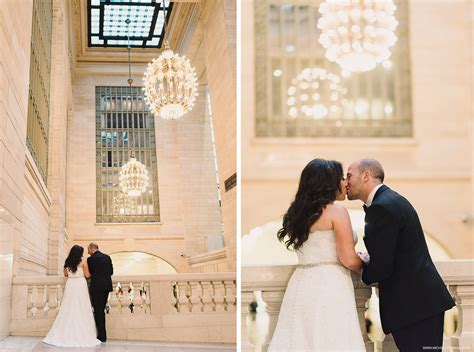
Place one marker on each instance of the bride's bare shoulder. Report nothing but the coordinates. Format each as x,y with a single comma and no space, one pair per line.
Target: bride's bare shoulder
336,211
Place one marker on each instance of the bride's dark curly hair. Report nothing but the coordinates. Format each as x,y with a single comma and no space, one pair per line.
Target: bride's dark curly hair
74,258
319,184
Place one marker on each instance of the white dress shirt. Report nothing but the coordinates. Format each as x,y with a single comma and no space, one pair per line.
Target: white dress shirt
371,196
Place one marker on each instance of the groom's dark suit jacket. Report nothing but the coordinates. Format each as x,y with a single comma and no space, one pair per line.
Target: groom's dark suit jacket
101,269
410,288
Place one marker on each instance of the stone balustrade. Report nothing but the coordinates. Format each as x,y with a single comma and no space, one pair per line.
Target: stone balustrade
272,281
188,307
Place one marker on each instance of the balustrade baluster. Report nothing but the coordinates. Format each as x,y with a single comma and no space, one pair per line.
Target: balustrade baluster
146,299
137,299
207,294
53,299
362,295
183,297
46,296
219,296
196,294
40,301
60,294
464,298
230,296
31,300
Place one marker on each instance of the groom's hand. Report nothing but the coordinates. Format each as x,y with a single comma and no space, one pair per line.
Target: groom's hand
365,257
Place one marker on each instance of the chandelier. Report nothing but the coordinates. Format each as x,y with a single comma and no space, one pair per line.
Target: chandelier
357,34
133,178
315,93
122,204
170,85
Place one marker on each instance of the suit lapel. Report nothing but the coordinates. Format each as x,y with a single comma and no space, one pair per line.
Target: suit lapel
377,194
382,189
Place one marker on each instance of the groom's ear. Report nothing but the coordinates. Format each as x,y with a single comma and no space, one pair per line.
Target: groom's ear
365,176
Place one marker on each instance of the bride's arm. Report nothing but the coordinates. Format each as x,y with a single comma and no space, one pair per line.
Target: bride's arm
344,239
85,269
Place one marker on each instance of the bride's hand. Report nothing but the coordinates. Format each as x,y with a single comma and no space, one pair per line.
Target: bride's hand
365,257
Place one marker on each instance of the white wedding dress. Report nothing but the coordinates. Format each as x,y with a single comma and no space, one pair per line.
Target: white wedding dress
318,312
74,325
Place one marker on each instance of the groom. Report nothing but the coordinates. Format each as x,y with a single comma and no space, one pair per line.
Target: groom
101,269
413,297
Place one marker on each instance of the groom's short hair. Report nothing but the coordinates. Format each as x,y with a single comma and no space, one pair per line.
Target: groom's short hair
373,167
93,245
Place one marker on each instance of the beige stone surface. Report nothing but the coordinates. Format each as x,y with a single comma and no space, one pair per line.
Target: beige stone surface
14,74
220,46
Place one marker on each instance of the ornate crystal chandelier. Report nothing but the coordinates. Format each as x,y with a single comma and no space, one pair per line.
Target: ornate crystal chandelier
170,84
357,34
133,177
315,93
122,204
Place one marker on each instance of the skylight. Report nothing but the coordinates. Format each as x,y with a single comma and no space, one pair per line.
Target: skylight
107,26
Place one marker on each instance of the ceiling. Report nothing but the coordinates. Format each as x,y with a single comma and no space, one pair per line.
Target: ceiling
147,17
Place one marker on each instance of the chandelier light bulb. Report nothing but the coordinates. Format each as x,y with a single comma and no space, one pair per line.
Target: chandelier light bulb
170,85
133,178
315,93
122,204
357,34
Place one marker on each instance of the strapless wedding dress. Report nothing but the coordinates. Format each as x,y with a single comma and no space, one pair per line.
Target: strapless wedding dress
74,325
318,312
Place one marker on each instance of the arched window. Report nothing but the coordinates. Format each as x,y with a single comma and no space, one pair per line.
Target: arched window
124,127
138,263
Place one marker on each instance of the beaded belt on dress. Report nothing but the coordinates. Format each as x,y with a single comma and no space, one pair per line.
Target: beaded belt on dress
311,265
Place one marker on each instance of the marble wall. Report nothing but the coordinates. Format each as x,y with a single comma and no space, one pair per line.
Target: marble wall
14,74
219,18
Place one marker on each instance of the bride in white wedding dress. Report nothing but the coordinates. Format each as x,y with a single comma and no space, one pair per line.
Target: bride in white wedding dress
318,311
74,325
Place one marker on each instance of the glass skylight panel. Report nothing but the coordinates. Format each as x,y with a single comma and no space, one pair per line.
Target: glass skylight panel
107,26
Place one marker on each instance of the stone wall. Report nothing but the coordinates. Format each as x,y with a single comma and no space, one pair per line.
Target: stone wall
219,19
14,74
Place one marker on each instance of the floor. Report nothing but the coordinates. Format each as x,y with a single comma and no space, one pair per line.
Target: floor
34,344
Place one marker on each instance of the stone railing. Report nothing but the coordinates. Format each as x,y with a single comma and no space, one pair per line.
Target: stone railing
194,307
269,283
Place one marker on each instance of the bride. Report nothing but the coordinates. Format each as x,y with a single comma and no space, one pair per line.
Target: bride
74,325
318,311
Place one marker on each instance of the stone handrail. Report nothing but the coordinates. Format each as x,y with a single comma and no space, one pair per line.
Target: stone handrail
188,307
270,282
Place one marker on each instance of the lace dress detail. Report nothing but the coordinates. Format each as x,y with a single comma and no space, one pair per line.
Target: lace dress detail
318,312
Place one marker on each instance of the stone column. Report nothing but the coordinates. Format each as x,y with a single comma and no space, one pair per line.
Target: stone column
201,213
60,111
219,30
